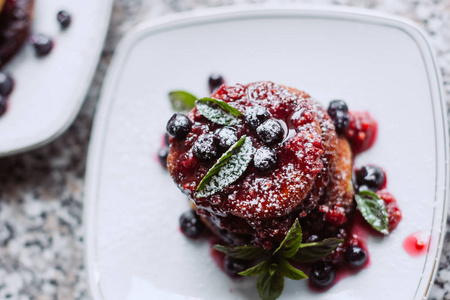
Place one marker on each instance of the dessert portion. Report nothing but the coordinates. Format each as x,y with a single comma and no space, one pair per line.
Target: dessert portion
270,172
297,153
15,21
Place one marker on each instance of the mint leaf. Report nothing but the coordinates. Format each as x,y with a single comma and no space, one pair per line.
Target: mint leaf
182,101
256,270
230,166
287,270
270,284
245,252
311,252
373,210
291,243
218,111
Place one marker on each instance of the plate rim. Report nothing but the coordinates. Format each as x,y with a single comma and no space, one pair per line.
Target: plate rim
259,11
55,131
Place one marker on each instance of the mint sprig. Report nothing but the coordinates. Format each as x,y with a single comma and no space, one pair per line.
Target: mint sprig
373,210
230,166
218,111
311,252
275,264
182,101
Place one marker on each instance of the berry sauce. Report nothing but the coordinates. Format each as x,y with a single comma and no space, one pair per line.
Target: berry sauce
361,131
416,244
271,193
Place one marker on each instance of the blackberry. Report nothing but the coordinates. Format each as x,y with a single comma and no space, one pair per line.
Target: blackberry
270,132
338,112
255,116
371,177
322,274
42,44
355,256
64,19
205,147
226,138
214,82
179,126
233,265
191,225
265,159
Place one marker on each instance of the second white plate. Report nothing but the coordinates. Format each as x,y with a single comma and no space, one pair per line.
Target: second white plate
376,63
49,91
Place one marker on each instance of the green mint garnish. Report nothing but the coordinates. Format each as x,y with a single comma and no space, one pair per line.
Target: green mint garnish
311,252
373,210
218,111
182,101
291,243
287,270
275,264
230,166
270,283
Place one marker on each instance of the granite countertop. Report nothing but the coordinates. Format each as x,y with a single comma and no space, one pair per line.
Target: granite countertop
41,192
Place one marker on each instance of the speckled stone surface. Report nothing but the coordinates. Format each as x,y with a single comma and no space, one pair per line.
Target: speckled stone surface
41,192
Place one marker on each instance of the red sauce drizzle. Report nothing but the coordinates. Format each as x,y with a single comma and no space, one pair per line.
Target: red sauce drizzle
417,243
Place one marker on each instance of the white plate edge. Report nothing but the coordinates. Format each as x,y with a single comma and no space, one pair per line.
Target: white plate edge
56,131
180,19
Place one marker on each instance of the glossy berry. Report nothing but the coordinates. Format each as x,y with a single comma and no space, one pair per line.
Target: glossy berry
255,116
371,177
338,112
322,274
226,137
6,84
265,159
215,81
191,225
42,44
179,126
3,105
270,132
205,147
233,265
355,256
162,155
64,18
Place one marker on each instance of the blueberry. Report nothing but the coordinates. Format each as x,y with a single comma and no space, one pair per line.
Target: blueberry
191,225
162,155
205,147
255,116
371,177
42,44
214,82
233,265
64,19
179,126
338,112
3,105
6,84
226,137
265,159
355,256
322,274
270,132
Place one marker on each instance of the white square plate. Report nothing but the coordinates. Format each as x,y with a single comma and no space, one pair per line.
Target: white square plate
374,62
49,91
